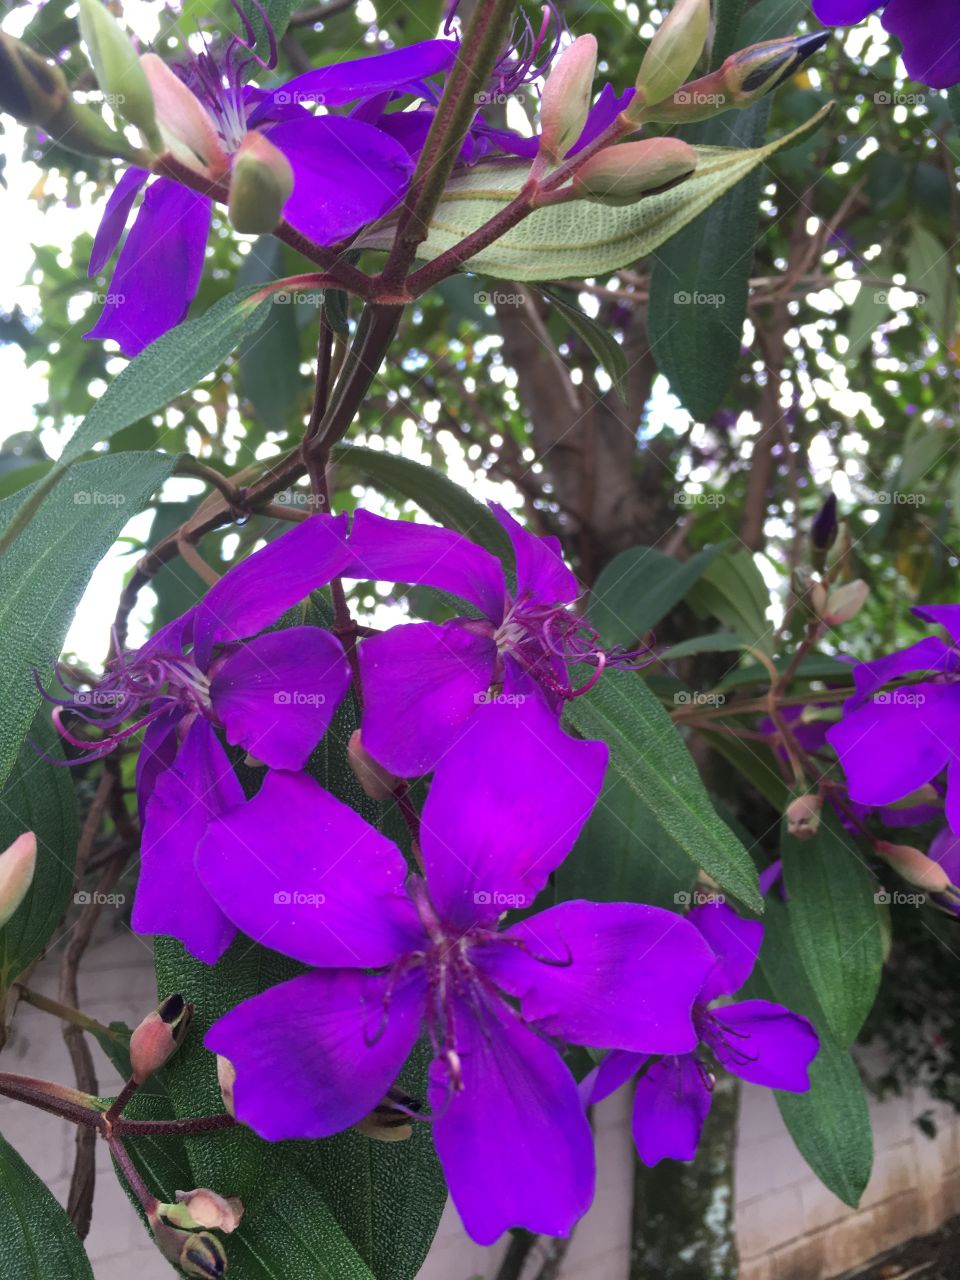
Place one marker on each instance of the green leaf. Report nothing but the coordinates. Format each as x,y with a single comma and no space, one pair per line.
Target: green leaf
269,358
835,924
173,364
639,587
276,12
411,22
44,572
727,15
37,1239
431,490
870,308
608,351
715,642
953,98
578,238
732,590
930,270
830,1124
647,752
38,796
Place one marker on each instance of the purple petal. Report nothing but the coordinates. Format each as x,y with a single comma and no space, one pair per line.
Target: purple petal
844,13
602,114
400,551
364,77
345,174
930,654
889,748
612,1074
506,804
261,588
277,694
514,1141
170,896
928,33
157,753
422,682
159,268
941,615
765,1044
541,573
115,215
614,975
303,874
670,1105
734,941
317,1054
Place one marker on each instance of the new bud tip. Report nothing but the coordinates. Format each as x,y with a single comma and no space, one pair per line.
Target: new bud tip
17,865
159,1036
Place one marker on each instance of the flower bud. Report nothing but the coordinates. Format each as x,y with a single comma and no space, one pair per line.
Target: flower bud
203,1255
803,816
159,1036
845,602
391,1120
117,67
823,531
915,867
623,174
202,1209
743,79
17,865
565,103
672,53
260,185
376,781
226,1078
36,93
186,129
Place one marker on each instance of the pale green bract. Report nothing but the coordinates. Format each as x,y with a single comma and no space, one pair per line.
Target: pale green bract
579,238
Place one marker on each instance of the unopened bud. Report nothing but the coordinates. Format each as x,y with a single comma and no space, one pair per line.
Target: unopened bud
672,53
839,554
743,79
202,1209
565,103
823,531
203,1255
186,129
118,70
159,1036
226,1078
915,867
623,174
36,93
925,795
377,782
260,185
818,597
391,1120
803,816
17,865
845,602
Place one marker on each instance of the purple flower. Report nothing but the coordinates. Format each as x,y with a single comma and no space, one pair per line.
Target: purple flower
274,695
759,1041
891,743
346,172
301,872
926,29
424,681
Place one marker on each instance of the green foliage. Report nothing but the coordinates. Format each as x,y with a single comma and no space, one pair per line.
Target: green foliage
639,587
37,1239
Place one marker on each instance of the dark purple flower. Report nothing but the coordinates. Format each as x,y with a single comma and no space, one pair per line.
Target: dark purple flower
759,1041
274,695
346,171
925,28
299,871
891,743
424,681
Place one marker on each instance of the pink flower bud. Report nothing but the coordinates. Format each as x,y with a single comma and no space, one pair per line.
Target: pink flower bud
226,1078
205,1208
623,174
17,865
803,816
185,126
915,867
260,185
376,781
159,1036
845,602
565,104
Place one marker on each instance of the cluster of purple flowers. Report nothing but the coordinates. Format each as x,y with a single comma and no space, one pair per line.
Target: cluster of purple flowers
393,952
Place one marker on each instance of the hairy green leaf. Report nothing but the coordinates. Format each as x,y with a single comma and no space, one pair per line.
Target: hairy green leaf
639,587
37,1239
